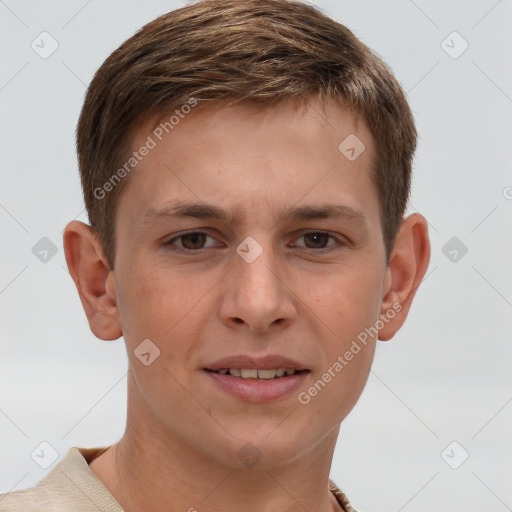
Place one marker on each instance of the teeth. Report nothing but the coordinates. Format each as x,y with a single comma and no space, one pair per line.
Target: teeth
266,374
247,373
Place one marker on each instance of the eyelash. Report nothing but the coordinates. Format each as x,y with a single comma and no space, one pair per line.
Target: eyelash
169,243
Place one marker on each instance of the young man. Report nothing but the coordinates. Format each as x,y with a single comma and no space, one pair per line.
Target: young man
246,168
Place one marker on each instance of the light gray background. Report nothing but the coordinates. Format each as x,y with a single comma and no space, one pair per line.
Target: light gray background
446,375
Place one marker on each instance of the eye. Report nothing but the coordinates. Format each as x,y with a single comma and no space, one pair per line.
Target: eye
193,241
317,240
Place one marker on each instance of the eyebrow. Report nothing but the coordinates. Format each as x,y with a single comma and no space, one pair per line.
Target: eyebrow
208,211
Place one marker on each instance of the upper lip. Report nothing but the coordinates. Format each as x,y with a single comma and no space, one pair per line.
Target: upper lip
256,363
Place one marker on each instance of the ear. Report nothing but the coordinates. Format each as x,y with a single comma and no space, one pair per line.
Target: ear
93,279
407,266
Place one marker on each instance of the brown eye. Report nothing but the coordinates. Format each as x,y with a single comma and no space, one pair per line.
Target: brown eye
316,240
193,240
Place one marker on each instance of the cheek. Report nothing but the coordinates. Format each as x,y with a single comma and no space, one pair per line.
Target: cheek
348,301
154,301
168,309
349,308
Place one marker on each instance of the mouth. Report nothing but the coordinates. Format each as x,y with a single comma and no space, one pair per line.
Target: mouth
258,374
256,378
256,384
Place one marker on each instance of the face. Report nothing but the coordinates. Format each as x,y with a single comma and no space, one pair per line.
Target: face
282,256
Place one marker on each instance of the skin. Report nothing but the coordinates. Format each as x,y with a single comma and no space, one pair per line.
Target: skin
183,434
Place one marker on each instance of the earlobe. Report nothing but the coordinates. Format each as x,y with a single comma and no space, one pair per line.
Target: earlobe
408,263
93,279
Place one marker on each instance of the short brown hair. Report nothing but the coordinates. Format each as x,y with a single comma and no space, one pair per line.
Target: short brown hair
254,51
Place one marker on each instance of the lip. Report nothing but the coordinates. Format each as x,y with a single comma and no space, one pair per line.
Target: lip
258,390
268,362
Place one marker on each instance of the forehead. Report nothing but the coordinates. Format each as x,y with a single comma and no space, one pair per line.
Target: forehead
242,160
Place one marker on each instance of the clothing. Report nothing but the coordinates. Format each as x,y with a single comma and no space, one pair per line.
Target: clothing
72,487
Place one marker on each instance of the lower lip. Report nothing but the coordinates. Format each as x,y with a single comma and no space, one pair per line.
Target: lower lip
258,390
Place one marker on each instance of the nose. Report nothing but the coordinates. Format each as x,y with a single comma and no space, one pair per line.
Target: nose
256,294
